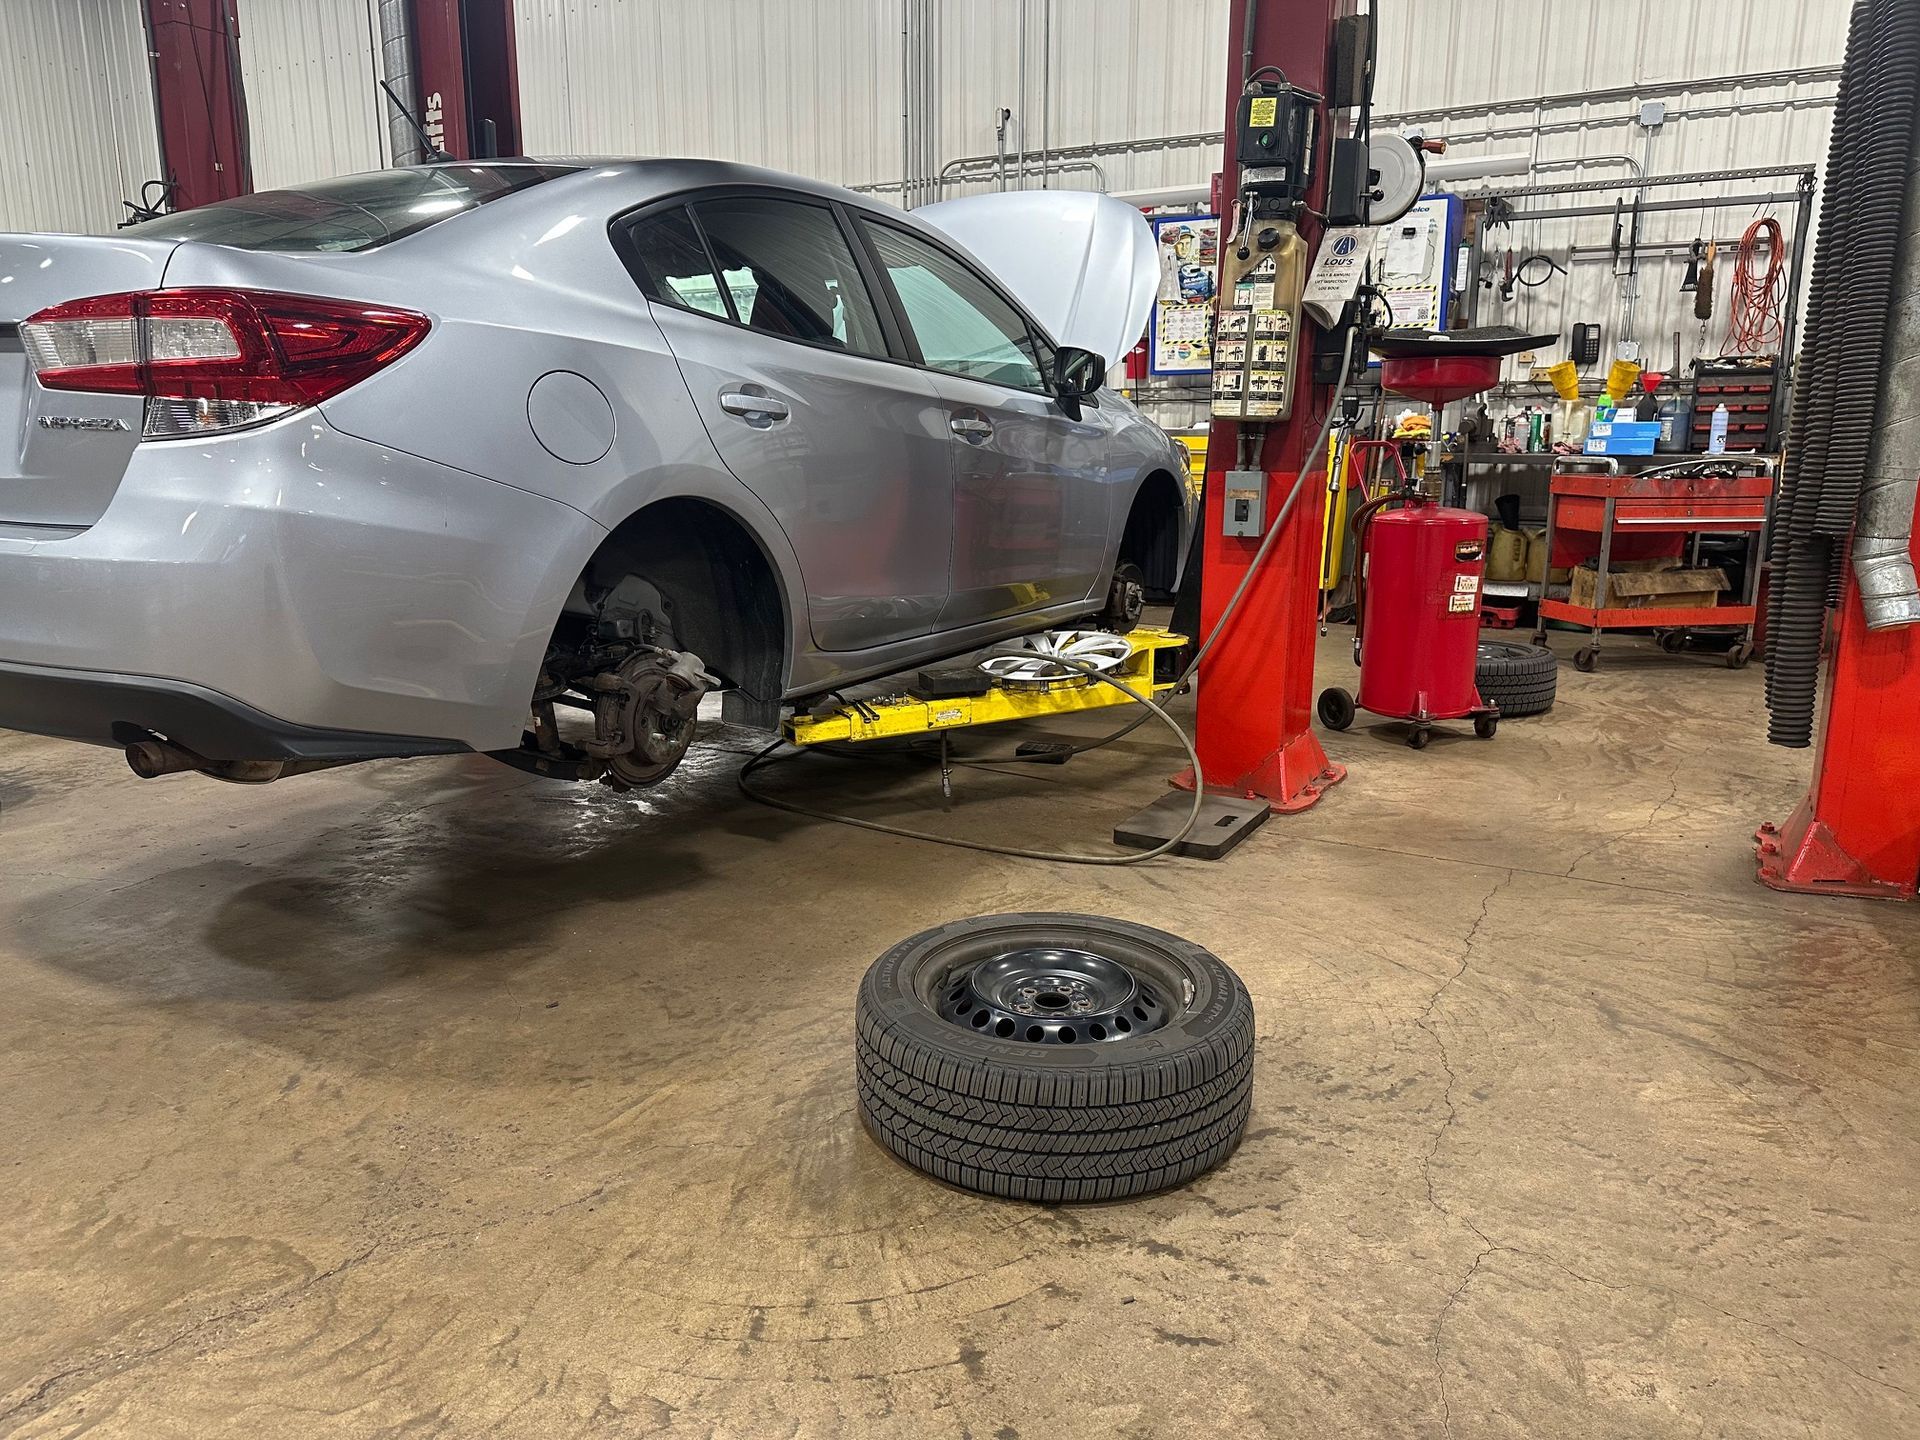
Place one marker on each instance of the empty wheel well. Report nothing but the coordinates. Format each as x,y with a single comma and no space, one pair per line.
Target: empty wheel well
1151,538
721,596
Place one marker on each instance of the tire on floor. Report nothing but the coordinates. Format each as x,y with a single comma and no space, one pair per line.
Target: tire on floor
1054,1057
1520,679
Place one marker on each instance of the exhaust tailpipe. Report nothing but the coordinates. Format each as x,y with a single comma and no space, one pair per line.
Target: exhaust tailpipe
150,759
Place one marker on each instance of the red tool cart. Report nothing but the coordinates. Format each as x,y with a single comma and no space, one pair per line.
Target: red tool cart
1595,512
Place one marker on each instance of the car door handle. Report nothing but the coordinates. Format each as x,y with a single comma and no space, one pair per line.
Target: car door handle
968,428
739,402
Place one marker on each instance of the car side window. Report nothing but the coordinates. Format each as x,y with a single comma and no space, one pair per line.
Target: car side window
674,265
790,272
962,325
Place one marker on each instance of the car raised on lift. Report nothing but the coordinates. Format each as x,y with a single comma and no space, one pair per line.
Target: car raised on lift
394,464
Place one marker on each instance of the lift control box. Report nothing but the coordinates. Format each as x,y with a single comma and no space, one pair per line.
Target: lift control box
1275,141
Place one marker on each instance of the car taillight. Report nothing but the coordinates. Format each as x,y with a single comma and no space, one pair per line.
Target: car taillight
212,360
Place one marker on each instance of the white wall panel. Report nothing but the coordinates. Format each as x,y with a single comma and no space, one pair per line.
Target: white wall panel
807,85
314,104
1443,52
76,108
816,86
1113,70
1489,61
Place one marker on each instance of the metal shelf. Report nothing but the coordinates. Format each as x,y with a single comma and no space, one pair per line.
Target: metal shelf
1547,457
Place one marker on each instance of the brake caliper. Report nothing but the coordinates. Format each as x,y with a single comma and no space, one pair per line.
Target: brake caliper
644,714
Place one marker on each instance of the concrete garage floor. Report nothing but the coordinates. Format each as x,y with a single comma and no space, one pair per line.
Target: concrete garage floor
430,1099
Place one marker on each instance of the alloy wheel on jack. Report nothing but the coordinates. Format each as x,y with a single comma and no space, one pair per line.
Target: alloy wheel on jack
1054,1057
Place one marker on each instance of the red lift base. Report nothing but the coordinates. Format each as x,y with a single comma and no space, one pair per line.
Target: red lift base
1805,857
1290,780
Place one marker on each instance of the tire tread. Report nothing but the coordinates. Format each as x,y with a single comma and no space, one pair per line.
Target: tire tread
1138,1122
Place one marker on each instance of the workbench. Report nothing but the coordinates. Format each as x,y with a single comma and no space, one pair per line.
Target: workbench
1700,495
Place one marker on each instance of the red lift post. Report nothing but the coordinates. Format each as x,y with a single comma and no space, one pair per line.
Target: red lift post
1253,727
1857,832
197,99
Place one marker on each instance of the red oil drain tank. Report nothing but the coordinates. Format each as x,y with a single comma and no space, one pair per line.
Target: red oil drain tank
1418,602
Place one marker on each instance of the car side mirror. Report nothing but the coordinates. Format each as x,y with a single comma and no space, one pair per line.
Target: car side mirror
1077,375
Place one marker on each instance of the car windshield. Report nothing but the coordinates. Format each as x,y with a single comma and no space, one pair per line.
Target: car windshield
354,212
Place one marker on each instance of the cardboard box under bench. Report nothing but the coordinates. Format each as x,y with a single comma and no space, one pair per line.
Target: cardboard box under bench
1647,585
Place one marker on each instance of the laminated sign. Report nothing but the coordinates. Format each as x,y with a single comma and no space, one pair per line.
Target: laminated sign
1337,270
1253,348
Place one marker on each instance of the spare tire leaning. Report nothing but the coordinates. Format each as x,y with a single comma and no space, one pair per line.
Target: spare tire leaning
1520,679
1054,1057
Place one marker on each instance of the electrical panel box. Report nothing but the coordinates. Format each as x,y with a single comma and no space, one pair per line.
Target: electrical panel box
1244,511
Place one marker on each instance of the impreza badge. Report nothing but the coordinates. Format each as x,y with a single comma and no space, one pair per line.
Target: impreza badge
82,422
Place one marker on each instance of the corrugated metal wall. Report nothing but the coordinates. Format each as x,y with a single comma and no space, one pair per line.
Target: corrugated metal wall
1125,94
311,71
815,85
76,108
808,85
1471,69
1096,72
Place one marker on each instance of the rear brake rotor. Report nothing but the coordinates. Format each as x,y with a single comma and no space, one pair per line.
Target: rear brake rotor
645,714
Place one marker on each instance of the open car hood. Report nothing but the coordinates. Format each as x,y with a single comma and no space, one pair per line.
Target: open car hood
1082,263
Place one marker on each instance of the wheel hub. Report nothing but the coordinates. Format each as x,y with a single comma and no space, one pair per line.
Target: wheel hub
1046,995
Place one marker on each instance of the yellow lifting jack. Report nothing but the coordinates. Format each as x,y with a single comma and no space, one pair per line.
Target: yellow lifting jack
891,716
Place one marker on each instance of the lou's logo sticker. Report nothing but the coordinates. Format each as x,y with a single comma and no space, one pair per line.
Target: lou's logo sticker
1467,550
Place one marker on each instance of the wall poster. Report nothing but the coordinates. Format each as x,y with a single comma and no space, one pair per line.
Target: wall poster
1182,329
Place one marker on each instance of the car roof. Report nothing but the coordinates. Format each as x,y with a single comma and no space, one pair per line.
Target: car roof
645,179
672,173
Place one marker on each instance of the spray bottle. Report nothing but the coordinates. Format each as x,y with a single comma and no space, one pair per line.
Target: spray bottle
1717,435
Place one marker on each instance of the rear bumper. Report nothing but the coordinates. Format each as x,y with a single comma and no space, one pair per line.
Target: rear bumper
104,709
288,592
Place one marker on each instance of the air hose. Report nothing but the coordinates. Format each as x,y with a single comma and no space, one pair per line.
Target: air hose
1152,709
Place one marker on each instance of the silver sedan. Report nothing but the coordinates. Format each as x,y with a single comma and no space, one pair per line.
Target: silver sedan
393,464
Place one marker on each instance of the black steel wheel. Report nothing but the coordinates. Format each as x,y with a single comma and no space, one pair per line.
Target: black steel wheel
1054,1057
1419,736
1336,708
1126,599
1672,641
1738,656
1518,679
1486,726
1587,660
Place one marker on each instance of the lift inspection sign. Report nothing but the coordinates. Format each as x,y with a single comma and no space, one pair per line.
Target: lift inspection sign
1337,269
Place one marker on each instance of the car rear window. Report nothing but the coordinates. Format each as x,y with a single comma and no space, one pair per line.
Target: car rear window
354,212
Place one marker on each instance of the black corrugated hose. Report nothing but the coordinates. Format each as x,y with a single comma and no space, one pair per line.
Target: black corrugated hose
1841,365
